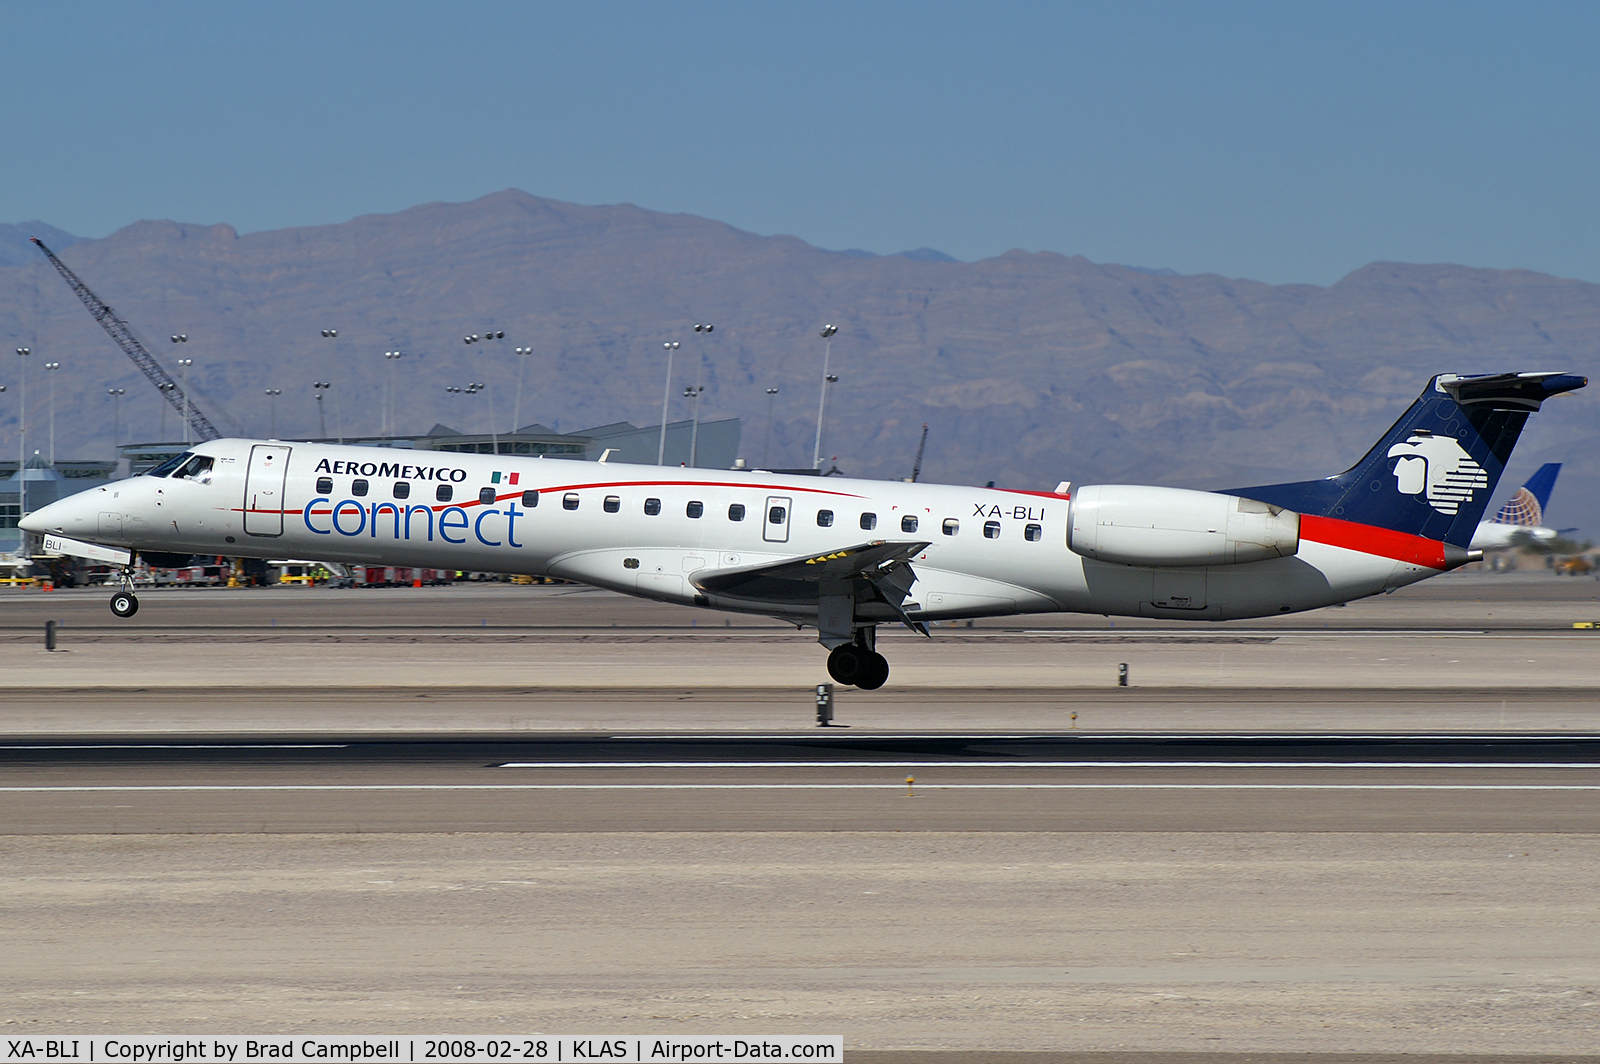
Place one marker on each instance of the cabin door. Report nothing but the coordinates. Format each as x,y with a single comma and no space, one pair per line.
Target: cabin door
263,489
775,522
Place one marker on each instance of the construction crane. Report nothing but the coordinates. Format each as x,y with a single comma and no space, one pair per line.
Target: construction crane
916,467
201,425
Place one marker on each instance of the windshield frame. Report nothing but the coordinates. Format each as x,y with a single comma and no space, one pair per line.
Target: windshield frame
170,465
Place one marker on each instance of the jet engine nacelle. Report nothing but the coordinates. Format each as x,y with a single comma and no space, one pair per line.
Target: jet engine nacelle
1137,525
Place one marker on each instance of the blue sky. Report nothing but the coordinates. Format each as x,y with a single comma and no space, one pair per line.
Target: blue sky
1277,141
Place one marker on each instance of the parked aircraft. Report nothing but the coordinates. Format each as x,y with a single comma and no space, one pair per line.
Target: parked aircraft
842,556
1522,514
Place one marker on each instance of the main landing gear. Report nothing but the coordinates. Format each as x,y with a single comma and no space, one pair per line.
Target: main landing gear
125,603
858,665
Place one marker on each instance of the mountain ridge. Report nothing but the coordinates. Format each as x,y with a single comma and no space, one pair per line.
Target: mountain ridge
1030,366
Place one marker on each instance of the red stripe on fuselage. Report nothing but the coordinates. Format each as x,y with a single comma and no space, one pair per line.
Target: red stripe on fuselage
1370,539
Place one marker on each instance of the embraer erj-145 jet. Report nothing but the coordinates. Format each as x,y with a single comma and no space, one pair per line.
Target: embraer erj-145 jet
843,556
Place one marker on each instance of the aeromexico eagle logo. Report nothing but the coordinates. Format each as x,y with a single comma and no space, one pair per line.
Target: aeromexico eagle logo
1437,467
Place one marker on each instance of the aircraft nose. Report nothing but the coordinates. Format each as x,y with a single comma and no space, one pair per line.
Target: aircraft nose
64,516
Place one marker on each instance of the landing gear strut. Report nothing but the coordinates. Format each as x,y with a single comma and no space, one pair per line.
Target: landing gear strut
858,665
125,603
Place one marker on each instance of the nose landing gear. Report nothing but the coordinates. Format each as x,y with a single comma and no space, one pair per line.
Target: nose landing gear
125,603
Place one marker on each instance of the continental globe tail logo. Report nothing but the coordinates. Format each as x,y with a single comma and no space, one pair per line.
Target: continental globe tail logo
1437,468
1522,509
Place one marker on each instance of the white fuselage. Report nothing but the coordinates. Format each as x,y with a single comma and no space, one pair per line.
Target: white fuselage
1498,535
634,529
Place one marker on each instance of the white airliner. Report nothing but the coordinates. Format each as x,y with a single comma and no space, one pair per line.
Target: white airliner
1522,517
842,556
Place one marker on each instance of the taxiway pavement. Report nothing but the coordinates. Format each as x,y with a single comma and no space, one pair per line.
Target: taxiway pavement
1363,831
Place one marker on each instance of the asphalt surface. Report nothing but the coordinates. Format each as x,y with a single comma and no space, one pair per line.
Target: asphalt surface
825,782
1363,834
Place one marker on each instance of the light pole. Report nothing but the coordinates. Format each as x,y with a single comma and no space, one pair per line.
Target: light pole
471,388
116,424
692,393
183,364
164,387
183,369
822,400
318,387
338,416
666,397
272,405
522,366
494,433
22,432
391,357
772,396
694,434
51,367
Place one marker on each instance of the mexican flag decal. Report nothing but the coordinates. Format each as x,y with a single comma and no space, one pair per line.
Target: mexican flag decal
504,478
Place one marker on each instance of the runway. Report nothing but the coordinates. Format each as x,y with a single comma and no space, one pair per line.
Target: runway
608,783
1350,834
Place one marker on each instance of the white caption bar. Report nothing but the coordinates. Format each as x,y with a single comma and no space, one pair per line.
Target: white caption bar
446,1049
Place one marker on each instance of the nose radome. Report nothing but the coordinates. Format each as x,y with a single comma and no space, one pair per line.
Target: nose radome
66,516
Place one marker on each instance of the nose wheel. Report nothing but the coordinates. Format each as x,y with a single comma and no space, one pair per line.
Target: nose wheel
124,604
857,666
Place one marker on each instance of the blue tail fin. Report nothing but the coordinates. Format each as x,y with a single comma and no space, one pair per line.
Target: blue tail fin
1432,473
1527,506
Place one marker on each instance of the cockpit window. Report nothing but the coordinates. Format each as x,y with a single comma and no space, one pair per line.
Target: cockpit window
196,468
166,468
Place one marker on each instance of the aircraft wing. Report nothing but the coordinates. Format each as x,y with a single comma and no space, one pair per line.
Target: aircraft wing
800,579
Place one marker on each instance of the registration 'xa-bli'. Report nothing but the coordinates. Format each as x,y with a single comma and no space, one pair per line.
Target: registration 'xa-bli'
843,556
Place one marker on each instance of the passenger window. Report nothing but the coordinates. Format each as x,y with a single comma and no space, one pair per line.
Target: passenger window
695,509
358,487
1033,533
569,501
612,504
443,492
736,512
908,523
402,489
991,530
869,521
486,496
951,526
777,515
652,507
324,485
530,499
824,518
